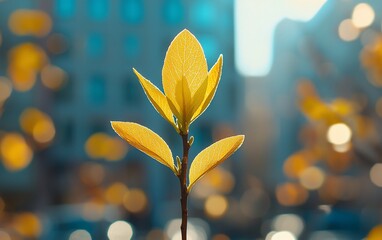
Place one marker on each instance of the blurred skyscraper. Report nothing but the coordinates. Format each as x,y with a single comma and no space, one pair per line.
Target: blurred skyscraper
97,43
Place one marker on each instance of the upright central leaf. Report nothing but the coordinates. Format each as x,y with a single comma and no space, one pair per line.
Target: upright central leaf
185,67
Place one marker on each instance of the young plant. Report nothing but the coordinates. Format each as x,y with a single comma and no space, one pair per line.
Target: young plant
188,90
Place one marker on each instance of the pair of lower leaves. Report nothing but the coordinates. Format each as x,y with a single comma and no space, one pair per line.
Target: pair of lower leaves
154,146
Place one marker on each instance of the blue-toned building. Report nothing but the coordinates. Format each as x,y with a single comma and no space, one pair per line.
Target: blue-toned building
99,42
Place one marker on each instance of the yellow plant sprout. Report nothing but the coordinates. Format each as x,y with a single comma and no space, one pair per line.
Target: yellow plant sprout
188,90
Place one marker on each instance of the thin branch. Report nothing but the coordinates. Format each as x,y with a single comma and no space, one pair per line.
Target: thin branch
183,186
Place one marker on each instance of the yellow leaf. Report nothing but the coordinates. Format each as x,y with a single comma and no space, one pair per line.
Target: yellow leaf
184,61
146,141
213,82
183,98
213,155
157,98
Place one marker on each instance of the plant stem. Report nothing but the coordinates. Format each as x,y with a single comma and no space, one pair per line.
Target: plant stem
183,185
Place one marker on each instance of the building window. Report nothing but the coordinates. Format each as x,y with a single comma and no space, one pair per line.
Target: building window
132,11
173,12
97,90
95,45
203,14
210,47
132,91
66,92
98,9
67,131
132,46
64,8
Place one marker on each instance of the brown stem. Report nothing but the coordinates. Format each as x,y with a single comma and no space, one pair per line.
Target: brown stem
183,186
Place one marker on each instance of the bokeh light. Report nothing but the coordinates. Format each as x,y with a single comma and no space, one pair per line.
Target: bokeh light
291,194
28,225
115,193
218,180
25,61
101,145
215,206
80,234
53,77
296,164
135,200
347,31
339,134
30,22
342,148
375,233
120,230
288,222
38,124
363,15
15,152
5,89
376,174
4,235
312,178
283,235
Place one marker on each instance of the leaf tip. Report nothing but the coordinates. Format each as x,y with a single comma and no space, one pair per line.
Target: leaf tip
114,125
185,30
241,139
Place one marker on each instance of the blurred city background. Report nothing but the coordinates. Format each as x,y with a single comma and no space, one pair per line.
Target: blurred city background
301,79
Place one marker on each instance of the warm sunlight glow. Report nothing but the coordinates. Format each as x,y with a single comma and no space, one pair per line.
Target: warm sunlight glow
363,15
342,148
347,31
339,134
120,230
283,235
255,22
